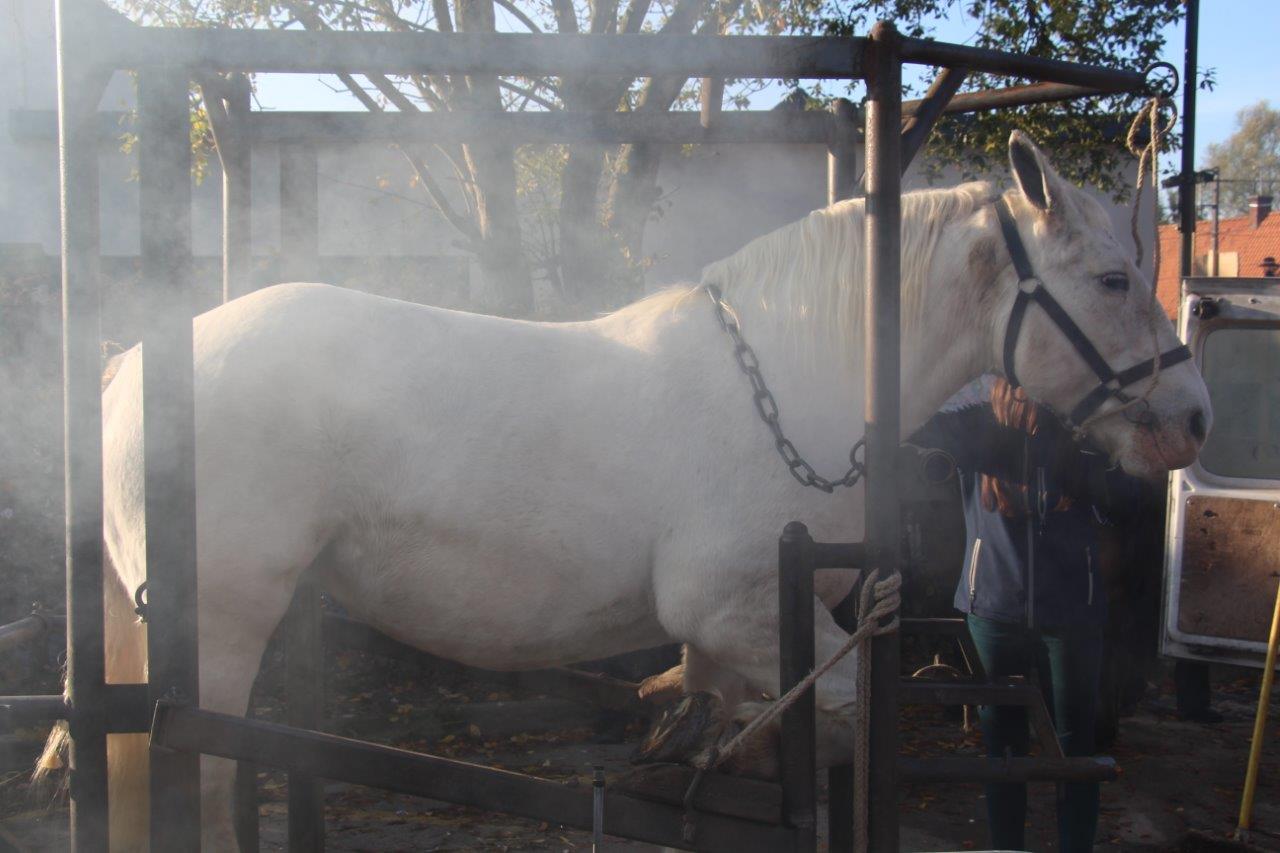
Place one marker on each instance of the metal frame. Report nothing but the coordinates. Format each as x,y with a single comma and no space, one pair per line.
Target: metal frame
93,42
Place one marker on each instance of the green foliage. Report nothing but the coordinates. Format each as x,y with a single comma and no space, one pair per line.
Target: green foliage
1249,160
1087,136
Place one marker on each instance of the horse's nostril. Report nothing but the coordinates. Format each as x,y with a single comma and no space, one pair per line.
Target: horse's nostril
1196,425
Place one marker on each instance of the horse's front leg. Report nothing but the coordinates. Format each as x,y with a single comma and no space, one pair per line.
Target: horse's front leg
737,635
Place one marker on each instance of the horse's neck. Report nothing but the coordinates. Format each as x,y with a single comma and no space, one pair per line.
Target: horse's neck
945,346
950,344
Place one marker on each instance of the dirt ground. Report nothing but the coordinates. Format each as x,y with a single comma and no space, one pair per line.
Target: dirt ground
1176,775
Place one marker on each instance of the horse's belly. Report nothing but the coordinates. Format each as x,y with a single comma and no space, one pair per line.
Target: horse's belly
489,602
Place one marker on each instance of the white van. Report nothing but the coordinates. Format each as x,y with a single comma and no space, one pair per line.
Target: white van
1222,539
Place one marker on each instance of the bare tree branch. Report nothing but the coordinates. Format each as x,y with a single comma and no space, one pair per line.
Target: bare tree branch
444,21
519,15
637,11
529,94
360,94
566,16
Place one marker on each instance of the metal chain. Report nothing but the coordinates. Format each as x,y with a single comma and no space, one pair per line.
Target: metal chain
767,407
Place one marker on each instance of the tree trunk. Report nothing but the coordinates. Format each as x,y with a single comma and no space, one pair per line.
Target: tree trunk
505,284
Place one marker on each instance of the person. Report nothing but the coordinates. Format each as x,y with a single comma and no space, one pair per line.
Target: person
1031,588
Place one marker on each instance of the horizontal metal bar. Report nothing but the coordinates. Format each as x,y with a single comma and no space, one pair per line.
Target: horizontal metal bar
331,757
1023,769
1012,96
814,126
18,711
839,555
979,59
770,127
342,632
534,54
127,709
920,692
24,631
945,626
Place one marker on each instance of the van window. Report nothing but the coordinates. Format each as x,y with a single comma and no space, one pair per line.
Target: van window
1241,366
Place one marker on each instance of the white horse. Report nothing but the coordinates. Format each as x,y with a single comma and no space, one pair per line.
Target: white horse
513,494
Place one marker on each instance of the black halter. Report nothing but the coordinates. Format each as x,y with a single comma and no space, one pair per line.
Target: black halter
1030,289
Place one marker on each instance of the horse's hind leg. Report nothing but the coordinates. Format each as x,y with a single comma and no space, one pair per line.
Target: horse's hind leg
236,622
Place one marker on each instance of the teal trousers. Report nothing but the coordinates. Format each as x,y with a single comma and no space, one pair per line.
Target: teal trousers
1068,663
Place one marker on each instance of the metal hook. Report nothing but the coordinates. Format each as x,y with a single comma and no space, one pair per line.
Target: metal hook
1162,79
140,604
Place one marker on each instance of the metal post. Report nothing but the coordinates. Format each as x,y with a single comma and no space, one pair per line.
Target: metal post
299,213
1187,191
228,105
168,423
304,687
842,154
1217,213
883,357
796,653
80,86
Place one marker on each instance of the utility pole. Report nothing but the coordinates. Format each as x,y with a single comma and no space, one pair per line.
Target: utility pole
1187,184
1217,206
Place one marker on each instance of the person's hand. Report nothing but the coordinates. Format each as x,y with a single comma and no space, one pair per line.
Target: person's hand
1052,444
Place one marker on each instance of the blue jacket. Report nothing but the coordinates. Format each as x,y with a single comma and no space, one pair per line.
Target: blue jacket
1040,567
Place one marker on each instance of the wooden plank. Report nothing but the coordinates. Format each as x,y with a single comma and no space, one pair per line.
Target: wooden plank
332,757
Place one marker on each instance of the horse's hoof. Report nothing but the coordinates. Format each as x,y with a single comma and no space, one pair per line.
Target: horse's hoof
683,731
664,687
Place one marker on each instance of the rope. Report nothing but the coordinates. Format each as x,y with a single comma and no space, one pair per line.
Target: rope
887,600
1148,164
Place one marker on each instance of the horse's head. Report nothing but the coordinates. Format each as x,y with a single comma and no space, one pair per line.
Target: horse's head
1149,428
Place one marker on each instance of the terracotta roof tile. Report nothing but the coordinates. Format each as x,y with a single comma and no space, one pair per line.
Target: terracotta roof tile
1237,234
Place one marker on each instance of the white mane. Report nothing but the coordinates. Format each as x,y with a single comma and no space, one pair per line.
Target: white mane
810,275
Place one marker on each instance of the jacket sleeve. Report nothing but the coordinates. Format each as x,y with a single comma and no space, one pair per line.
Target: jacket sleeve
978,444
1089,477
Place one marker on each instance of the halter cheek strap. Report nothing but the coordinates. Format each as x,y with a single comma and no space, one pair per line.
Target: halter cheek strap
1031,289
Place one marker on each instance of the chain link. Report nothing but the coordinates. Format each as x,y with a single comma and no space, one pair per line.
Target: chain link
767,407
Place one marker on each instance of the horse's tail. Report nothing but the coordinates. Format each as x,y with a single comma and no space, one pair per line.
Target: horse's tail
128,782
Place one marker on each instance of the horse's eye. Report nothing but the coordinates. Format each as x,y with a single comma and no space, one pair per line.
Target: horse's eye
1117,281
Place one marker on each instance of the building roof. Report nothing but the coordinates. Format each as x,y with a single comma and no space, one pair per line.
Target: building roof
1239,235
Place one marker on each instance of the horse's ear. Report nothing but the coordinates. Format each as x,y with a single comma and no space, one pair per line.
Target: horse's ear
1039,183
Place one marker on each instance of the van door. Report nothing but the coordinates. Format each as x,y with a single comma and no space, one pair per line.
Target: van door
1222,540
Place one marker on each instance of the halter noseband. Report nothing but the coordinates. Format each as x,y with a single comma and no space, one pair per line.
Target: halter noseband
1031,289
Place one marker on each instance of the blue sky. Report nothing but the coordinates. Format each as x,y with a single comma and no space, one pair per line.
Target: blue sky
1237,38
